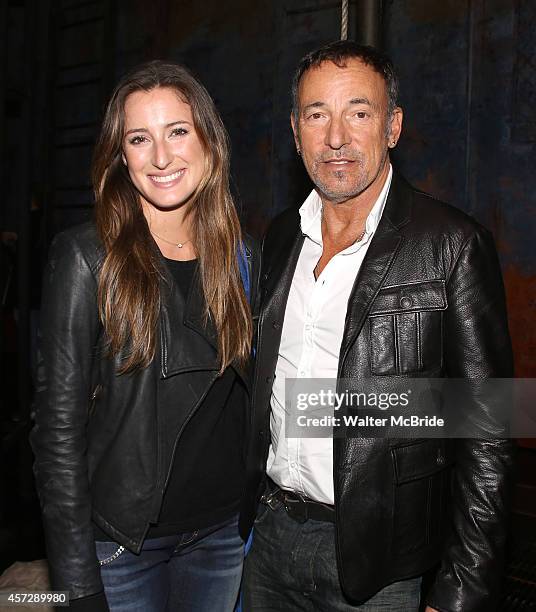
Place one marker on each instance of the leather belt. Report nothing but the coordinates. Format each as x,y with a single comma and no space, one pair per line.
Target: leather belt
297,506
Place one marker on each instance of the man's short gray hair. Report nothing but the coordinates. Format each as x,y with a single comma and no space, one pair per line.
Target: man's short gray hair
339,53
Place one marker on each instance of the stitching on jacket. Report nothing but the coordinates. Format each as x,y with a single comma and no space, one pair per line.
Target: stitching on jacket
397,344
419,282
418,333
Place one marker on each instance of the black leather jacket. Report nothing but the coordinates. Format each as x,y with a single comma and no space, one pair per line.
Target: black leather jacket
404,505
102,445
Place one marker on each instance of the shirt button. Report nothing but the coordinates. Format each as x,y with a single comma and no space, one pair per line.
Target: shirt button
406,302
302,372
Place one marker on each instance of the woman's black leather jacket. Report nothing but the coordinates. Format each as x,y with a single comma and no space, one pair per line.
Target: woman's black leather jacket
104,442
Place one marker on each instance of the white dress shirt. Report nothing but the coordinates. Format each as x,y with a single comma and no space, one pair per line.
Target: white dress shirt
310,344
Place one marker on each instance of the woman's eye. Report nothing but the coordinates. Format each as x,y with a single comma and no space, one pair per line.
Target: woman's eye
137,140
179,132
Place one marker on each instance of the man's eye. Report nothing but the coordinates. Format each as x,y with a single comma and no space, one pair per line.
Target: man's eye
315,116
361,115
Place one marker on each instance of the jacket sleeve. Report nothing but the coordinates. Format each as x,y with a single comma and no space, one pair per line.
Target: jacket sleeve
477,347
68,334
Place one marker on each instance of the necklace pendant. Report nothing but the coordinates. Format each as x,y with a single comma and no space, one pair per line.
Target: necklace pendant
180,245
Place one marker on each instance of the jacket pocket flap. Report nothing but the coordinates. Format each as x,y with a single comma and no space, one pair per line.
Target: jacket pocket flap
418,460
410,297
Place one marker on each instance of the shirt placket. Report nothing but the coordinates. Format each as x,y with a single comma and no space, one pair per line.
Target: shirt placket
313,302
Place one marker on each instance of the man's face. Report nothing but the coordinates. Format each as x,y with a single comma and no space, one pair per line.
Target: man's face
342,129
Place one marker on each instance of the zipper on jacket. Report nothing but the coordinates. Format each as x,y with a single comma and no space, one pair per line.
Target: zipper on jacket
156,511
93,399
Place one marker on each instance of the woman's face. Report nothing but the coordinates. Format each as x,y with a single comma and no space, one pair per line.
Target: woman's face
161,148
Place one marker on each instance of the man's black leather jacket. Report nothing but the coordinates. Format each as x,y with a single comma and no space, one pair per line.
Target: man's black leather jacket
104,443
428,302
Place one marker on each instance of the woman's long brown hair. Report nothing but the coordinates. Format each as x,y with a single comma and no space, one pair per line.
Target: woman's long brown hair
129,289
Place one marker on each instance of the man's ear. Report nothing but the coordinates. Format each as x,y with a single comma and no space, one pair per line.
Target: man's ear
295,131
395,127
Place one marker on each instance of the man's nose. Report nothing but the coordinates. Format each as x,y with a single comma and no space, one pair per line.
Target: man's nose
161,154
337,134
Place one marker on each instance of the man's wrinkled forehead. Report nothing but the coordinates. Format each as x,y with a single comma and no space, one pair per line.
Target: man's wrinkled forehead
360,81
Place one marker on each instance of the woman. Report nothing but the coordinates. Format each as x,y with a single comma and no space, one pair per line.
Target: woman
146,336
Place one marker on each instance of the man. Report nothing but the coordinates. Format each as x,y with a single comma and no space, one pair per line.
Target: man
371,281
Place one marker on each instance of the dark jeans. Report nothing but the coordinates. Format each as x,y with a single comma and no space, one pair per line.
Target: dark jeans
189,572
293,566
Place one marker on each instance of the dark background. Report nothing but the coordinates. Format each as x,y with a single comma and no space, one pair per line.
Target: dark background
468,89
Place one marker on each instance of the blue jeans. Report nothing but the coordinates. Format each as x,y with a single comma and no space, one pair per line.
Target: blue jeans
293,566
190,572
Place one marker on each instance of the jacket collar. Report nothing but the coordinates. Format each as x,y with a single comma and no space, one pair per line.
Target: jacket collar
397,210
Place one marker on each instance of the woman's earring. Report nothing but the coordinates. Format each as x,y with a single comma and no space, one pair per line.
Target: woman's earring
123,159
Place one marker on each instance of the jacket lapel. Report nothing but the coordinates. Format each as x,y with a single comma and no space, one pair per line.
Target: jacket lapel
280,256
187,344
281,250
378,260
277,280
194,314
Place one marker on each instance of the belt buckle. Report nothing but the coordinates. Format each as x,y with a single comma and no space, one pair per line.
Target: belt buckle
271,500
296,508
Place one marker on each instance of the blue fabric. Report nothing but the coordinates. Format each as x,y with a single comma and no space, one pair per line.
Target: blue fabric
244,273
246,550
249,542
244,270
190,572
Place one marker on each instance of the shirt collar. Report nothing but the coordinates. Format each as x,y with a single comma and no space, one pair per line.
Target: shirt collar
311,216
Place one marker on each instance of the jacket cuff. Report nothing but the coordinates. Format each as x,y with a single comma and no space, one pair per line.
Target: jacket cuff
91,603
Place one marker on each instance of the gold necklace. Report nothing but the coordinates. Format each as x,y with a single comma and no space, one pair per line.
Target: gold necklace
177,244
